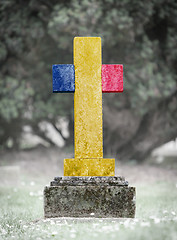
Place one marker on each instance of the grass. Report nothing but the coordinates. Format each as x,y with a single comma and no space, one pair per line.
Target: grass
21,206
21,216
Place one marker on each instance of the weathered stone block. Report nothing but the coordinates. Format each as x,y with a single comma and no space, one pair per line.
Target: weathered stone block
112,78
83,196
63,78
89,167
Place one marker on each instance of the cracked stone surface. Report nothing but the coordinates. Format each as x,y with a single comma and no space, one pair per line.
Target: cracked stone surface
85,181
89,197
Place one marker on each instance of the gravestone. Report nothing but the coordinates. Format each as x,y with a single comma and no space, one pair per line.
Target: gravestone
89,187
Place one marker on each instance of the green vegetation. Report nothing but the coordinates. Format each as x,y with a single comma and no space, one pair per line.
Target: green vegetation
140,34
21,216
21,201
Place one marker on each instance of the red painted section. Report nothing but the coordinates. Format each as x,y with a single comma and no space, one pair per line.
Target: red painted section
112,78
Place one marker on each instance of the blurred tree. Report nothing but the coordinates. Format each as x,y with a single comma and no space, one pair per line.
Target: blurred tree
141,35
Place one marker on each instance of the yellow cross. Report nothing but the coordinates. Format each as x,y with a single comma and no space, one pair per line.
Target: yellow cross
88,130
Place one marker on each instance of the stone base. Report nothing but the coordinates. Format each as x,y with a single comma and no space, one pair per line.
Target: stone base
106,197
89,167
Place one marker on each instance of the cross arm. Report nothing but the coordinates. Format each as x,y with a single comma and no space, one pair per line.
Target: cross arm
112,78
63,78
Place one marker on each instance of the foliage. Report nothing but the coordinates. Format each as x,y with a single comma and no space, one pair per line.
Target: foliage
36,34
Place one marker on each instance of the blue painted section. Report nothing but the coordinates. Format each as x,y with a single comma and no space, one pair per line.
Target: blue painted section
63,78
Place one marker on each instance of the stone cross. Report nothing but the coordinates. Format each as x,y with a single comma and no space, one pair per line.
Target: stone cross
88,78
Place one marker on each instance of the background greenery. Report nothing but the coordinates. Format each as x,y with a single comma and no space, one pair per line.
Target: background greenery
139,34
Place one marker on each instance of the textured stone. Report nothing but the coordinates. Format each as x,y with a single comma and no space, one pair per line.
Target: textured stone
89,197
89,167
91,181
88,78
112,78
88,98
63,78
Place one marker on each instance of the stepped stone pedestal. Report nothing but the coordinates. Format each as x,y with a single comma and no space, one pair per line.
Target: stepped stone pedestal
89,197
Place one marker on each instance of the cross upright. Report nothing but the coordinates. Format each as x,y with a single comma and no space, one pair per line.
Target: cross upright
88,78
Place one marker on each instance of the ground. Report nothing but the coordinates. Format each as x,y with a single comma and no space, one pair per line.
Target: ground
23,176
